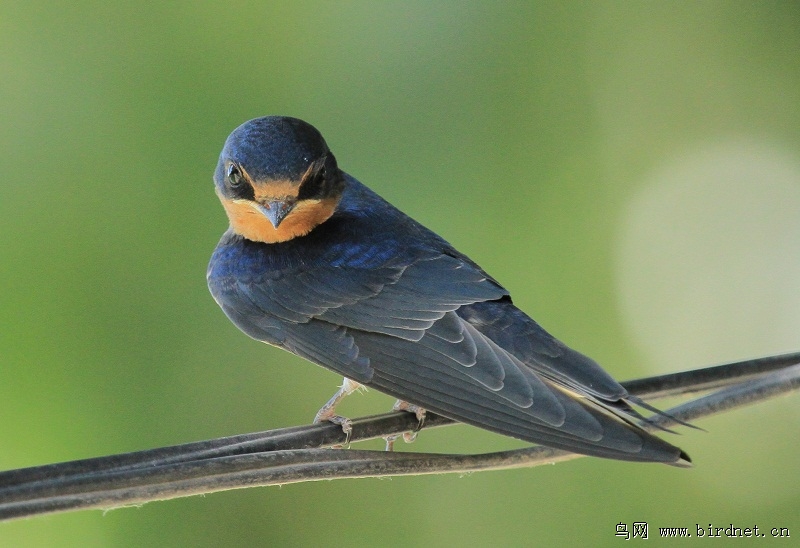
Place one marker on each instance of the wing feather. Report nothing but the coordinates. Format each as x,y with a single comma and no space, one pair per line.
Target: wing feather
437,331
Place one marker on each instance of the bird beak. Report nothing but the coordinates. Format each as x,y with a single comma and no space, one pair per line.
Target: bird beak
276,210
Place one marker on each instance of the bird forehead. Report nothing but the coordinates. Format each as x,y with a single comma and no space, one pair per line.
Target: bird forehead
275,148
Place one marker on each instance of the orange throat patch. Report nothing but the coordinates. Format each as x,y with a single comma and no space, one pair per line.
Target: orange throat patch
249,222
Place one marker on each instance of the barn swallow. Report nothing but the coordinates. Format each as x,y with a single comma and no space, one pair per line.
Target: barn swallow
316,263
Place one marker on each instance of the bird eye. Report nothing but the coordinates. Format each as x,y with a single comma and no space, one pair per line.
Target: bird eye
234,176
319,180
313,186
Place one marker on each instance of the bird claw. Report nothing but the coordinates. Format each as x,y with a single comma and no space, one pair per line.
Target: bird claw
327,415
418,411
328,411
408,437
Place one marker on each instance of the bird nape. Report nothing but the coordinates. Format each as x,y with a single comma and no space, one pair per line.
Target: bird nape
316,263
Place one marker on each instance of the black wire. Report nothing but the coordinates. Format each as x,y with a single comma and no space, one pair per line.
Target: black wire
295,454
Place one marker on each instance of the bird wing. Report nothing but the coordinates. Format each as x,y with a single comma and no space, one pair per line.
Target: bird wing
438,332
314,309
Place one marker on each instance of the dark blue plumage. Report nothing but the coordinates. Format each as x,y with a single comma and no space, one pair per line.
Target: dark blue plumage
375,296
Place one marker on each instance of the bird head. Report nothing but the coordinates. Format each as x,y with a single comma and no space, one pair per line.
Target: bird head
277,179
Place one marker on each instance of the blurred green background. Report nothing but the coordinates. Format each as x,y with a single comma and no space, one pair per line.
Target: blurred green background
630,171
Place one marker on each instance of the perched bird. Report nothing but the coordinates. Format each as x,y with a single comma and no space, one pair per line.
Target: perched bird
316,263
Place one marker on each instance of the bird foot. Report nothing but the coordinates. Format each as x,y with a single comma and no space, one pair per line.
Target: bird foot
345,423
328,411
408,437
